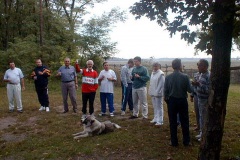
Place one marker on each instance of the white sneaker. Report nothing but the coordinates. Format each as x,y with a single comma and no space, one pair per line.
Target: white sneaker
153,121
47,109
111,114
83,116
123,113
102,114
42,108
198,136
158,124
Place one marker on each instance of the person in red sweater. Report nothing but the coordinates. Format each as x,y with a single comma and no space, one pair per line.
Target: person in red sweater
89,86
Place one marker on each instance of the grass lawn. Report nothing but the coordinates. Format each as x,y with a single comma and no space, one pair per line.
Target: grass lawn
40,135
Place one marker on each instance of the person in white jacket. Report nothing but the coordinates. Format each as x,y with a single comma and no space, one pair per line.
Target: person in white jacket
156,90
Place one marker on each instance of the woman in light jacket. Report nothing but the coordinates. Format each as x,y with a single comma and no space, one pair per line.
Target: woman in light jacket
156,92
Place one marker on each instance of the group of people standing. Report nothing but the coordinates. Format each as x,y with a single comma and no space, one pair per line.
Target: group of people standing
134,77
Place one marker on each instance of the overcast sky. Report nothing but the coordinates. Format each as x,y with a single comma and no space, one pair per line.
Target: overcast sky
145,38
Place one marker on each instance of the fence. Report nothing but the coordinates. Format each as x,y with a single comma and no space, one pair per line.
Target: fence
167,69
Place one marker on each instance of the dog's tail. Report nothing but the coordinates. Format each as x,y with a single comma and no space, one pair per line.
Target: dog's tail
116,125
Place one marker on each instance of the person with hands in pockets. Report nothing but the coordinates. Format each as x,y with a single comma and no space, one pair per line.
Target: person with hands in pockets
156,89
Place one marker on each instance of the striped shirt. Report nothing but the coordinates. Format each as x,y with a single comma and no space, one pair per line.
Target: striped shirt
204,84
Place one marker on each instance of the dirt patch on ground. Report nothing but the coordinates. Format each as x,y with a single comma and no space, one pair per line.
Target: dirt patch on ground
12,121
7,122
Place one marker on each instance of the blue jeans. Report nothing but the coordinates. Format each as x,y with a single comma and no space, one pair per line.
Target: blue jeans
109,98
127,97
202,106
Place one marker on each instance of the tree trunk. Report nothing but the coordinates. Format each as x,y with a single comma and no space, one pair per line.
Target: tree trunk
41,23
210,146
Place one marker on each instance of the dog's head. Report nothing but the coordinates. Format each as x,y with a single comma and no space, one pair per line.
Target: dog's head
88,121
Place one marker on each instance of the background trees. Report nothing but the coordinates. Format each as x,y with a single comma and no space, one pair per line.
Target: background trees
219,23
52,30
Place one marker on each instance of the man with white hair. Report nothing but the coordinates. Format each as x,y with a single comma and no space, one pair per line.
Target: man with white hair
89,87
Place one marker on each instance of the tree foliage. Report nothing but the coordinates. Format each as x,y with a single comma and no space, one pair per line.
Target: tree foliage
218,23
64,32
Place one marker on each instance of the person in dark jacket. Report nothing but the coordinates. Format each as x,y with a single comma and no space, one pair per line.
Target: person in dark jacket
176,86
40,76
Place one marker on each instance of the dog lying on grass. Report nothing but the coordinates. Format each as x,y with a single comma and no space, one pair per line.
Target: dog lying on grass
93,127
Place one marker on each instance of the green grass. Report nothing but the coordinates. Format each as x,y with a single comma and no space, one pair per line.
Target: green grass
41,135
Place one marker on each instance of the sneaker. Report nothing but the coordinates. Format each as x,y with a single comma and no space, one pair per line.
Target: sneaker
10,110
20,111
153,121
47,109
42,108
198,136
199,139
83,116
133,117
123,113
102,114
111,115
158,124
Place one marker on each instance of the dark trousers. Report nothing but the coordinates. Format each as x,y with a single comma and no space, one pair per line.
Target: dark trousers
42,93
85,98
127,97
178,106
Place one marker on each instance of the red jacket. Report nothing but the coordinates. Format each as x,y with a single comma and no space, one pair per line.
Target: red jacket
89,79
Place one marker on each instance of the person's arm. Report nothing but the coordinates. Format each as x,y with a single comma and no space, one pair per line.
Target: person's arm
100,77
160,85
96,81
22,84
46,72
166,91
114,77
77,67
123,76
145,76
5,78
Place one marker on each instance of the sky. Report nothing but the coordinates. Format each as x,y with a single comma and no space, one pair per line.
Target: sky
146,38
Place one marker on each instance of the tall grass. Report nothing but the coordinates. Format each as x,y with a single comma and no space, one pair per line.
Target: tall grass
40,135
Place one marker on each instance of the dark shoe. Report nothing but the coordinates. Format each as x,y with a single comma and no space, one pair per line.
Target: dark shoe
11,110
187,145
133,117
65,111
173,145
75,111
20,111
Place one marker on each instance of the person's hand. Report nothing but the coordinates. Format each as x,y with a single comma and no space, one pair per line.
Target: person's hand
136,75
40,73
195,83
23,88
76,86
110,79
59,74
191,99
166,99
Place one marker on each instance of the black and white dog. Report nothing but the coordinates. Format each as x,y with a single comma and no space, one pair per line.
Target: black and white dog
93,127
